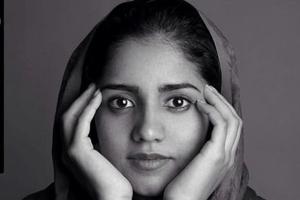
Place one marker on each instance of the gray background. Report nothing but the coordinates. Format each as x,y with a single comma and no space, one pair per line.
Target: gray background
40,36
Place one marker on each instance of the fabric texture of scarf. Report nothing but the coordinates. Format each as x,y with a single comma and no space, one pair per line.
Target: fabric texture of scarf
234,185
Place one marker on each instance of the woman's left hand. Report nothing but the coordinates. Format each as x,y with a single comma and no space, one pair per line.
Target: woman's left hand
205,172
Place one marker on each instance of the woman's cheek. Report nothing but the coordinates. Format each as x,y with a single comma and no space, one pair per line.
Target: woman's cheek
113,132
190,131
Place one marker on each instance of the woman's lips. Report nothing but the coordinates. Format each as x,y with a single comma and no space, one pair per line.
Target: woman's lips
148,161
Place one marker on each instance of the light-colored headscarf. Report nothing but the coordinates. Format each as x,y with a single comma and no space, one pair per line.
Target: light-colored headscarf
234,185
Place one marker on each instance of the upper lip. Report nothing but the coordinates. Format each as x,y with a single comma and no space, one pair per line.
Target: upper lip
148,156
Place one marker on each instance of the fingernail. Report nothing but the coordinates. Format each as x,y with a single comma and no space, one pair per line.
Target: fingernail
201,101
96,92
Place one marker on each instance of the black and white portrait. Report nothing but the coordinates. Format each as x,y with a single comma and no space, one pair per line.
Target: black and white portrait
151,100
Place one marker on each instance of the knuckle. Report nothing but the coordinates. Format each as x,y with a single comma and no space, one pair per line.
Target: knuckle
234,121
232,118
235,118
241,122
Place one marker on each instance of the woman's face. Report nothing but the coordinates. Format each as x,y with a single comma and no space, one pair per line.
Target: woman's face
148,126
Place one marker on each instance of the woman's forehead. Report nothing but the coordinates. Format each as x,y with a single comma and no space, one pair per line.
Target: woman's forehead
145,63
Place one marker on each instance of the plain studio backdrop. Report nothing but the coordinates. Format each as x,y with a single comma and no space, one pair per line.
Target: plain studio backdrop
40,36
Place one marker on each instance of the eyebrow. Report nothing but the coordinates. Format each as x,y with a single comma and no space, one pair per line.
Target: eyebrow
135,89
171,87
129,88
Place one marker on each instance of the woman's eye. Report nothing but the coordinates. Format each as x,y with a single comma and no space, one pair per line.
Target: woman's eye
178,103
120,103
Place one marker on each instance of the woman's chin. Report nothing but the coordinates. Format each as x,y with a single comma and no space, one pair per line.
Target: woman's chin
150,182
149,187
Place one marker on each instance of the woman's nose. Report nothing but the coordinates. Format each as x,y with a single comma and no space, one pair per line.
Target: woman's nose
148,128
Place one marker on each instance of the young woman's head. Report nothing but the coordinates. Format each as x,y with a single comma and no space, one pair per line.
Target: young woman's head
151,60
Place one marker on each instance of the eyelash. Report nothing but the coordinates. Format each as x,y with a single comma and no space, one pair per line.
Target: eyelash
186,104
112,102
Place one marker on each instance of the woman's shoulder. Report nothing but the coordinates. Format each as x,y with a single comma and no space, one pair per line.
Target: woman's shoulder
46,194
250,194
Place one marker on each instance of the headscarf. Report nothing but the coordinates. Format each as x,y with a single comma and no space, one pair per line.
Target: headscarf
65,187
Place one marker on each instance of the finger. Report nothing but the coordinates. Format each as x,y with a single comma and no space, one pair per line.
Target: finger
222,98
79,104
210,95
235,137
84,121
218,136
228,113
237,140
70,116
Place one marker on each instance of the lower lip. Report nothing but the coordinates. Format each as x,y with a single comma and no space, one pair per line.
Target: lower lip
149,165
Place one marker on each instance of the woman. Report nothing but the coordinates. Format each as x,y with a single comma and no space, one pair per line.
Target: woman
149,109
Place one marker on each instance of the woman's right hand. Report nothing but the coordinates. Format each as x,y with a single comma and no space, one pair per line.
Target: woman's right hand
99,177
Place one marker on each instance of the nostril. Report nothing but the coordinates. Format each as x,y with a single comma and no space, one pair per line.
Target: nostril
148,125
149,133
